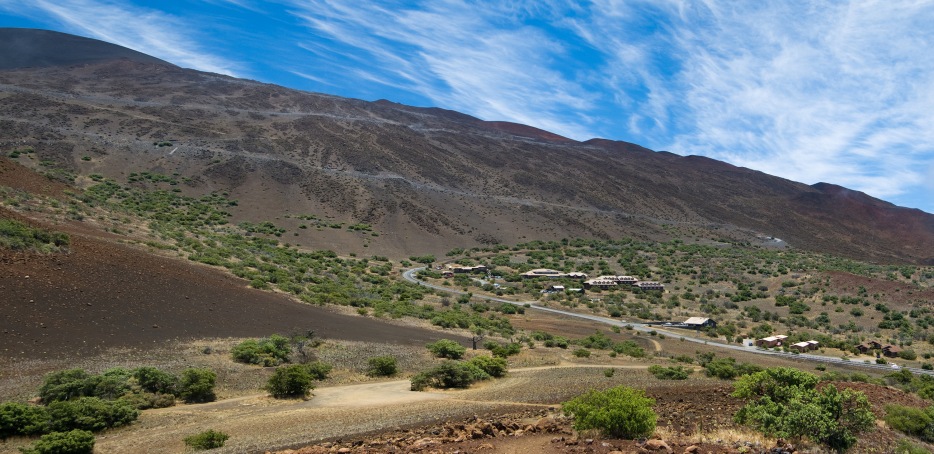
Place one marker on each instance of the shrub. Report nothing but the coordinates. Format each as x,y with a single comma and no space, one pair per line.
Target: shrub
908,354
144,400
787,404
111,384
72,442
197,385
582,353
728,369
270,351
90,413
209,439
906,447
18,236
155,381
670,373
629,348
494,367
619,412
290,381
449,374
318,370
608,373
65,385
504,351
446,348
557,341
22,419
382,366
912,421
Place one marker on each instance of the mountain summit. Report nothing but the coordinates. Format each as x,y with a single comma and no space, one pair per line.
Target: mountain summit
414,179
25,47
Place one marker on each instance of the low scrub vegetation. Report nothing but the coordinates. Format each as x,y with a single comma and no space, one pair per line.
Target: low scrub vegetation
725,368
296,380
290,382
90,413
449,374
71,442
269,351
619,412
446,348
209,439
670,373
785,402
917,422
18,236
459,374
382,366
76,400
198,228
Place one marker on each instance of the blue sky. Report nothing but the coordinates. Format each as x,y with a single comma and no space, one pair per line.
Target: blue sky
810,90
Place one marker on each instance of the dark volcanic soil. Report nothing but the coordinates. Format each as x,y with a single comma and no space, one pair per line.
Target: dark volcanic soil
104,295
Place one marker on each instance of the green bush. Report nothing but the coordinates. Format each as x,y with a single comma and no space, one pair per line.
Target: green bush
90,413
197,385
908,354
906,447
913,421
155,381
557,341
629,348
18,236
112,384
449,374
582,353
145,400
504,351
785,403
670,373
65,385
270,351
22,419
619,412
72,442
494,367
290,382
209,439
728,369
318,370
141,385
382,366
446,348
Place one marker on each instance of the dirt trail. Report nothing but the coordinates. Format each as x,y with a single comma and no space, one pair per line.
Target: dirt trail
258,422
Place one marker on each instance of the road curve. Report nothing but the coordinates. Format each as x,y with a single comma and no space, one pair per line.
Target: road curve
409,275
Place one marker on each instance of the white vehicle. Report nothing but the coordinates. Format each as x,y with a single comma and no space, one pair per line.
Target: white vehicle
895,366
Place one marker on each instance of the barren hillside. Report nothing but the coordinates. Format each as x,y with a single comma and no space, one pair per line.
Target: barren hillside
423,179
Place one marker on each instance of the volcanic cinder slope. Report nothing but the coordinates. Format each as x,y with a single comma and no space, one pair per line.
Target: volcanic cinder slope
425,179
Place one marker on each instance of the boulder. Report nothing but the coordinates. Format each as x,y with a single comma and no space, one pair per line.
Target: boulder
655,445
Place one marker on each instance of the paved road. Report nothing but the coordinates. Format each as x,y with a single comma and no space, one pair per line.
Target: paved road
409,275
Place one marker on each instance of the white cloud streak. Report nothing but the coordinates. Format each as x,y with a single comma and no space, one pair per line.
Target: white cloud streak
481,60
810,90
145,30
813,91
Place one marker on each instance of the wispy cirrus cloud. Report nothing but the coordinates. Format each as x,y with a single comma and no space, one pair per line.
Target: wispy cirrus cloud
150,31
485,61
832,92
810,90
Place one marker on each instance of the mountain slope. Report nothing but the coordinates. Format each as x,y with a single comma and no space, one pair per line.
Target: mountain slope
423,179
23,47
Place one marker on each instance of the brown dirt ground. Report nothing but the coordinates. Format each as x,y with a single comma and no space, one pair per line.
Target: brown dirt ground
104,295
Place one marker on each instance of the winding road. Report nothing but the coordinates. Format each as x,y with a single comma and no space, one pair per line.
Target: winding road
409,275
